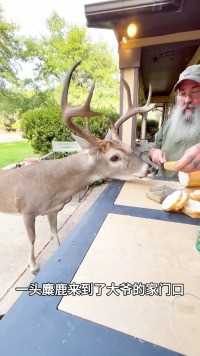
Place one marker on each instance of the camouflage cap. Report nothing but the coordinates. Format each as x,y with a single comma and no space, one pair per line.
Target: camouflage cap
191,73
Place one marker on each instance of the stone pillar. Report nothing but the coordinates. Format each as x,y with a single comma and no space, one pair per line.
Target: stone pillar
129,63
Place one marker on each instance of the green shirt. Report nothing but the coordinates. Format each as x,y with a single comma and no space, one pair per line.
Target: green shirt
173,149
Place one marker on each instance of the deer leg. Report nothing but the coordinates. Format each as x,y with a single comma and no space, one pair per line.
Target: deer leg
29,221
52,217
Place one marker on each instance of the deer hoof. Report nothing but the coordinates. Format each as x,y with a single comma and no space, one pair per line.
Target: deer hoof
35,268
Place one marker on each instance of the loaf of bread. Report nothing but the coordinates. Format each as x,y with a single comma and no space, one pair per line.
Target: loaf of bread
170,165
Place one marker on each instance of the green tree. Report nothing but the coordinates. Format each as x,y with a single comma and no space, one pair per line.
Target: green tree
10,55
53,55
37,99
9,52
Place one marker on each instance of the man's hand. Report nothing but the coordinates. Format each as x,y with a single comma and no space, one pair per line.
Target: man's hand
157,156
190,161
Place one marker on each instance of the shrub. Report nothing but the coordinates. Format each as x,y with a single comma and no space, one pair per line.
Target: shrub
99,125
44,124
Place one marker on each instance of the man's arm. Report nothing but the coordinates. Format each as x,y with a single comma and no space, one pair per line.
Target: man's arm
190,161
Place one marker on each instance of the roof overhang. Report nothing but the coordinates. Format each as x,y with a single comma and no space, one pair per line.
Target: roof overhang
168,35
106,14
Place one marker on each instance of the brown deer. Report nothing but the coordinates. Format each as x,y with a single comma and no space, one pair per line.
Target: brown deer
44,188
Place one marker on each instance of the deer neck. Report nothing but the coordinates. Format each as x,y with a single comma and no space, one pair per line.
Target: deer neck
82,169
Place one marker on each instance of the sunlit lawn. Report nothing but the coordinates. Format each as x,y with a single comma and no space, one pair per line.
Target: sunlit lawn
14,152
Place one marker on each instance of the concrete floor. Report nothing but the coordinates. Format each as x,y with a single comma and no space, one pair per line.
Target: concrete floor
14,271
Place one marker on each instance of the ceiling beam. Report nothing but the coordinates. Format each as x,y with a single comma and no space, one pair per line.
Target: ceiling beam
160,99
157,40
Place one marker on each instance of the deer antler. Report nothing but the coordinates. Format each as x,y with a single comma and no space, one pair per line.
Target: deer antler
132,111
81,110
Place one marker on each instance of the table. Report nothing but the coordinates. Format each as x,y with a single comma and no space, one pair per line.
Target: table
38,325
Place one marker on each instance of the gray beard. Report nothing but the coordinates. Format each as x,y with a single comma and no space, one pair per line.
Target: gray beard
184,125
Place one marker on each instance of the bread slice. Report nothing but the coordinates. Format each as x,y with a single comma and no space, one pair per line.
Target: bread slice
192,208
195,195
182,201
175,201
169,204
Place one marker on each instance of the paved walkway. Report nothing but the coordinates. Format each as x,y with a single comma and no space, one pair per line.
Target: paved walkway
10,137
14,247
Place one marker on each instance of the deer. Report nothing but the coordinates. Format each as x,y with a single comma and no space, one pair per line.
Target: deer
46,187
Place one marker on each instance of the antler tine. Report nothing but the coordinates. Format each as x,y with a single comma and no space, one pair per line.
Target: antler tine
131,111
128,91
73,111
86,105
64,98
89,98
149,95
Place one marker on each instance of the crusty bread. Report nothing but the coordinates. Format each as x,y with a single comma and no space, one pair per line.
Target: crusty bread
175,201
189,179
182,201
170,165
192,208
169,204
195,195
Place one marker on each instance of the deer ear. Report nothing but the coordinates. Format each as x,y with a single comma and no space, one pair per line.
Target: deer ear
108,135
114,134
83,143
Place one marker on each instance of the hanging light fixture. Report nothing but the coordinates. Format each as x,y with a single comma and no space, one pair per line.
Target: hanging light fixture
132,30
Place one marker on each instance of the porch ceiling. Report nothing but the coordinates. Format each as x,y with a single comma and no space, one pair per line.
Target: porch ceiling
161,65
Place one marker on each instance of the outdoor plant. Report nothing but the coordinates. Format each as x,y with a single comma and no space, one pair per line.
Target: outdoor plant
44,124
41,125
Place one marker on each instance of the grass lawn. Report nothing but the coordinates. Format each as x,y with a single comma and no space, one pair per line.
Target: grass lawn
14,152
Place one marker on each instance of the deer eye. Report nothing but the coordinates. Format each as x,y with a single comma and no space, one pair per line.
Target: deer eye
115,158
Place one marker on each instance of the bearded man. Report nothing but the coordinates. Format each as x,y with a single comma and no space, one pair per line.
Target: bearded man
182,129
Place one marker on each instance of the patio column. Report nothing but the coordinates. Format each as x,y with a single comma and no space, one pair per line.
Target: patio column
143,127
129,64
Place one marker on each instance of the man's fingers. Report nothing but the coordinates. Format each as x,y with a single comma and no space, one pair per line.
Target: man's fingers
188,163
188,168
190,160
184,162
159,158
192,166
